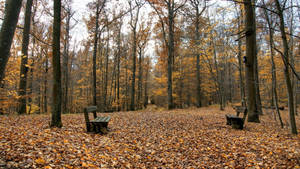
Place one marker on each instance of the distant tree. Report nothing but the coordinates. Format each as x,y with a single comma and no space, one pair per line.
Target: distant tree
57,94
167,25
133,24
66,56
199,7
11,15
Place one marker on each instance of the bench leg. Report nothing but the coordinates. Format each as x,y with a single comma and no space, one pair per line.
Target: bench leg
88,127
228,121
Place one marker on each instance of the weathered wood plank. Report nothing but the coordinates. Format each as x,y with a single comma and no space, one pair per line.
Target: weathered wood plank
102,119
91,109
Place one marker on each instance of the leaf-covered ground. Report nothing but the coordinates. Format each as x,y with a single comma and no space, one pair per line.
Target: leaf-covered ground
192,138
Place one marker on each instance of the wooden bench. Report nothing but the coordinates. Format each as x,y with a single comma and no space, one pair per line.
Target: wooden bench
99,124
239,109
235,121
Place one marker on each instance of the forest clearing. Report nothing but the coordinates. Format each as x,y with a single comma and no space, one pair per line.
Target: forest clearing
149,84
191,138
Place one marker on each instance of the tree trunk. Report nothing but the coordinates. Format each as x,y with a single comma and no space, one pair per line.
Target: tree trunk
274,76
140,79
258,99
146,84
95,56
24,60
56,95
285,58
46,85
65,66
241,68
170,54
133,24
11,15
106,72
118,66
198,82
30,85
250,61
132,98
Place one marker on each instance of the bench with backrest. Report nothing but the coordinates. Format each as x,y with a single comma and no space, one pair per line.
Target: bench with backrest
239,109
234,120
98,124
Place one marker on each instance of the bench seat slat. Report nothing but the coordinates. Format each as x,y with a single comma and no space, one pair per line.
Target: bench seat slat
101,119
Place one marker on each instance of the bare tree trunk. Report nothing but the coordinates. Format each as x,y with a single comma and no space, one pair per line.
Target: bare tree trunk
133,24
96,37
241,68
285,58
274,76
250,61
146,97
56,95
30,86
218,80
65,66
170,54
11,15
46,85
24,60
118,64
140,79
126,87
198,13
106,71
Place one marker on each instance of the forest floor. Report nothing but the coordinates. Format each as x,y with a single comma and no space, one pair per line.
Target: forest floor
152,138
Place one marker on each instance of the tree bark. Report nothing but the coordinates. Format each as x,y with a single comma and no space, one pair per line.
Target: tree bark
241,68
140,79
46,85
250,61
24,59
133,24
65,66
95,56
170,53
11,15
274,76
285,58
106,72
146,84
56,95
195,4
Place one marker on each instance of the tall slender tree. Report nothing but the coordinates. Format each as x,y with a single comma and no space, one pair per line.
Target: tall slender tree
133,24
12,11
56,93
167,25
96,37
286,61
274,76
196,4
24,59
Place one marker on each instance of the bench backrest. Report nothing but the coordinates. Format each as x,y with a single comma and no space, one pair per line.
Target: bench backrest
86,112
91,109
